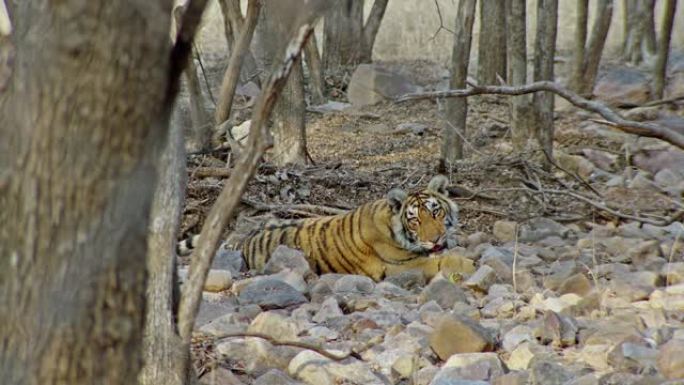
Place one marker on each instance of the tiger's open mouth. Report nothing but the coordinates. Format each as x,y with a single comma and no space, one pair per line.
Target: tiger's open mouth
437,248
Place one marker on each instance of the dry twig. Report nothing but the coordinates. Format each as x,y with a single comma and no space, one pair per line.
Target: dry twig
652,130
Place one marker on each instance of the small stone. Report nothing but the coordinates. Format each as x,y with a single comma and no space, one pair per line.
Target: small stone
577,284
442,291
504,231
546,372
315,369
221,376
456,334
270,294
424,376
472,366
228,259
275,377
354,284
284,257
329,309
512,378
476,239
673,273
229,323
559,330
275,325
404,366
409,279
482,279
516,336
633,357
218,280
521,356
671,359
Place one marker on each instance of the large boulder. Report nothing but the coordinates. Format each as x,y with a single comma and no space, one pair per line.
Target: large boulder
371,84
623,87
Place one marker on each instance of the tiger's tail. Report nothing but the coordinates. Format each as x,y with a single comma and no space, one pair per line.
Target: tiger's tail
187,245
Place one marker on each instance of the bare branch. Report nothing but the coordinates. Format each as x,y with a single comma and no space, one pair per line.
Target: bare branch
651,130
296,344
441,22
224,208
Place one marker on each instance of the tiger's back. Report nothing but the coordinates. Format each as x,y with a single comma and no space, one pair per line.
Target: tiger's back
333,244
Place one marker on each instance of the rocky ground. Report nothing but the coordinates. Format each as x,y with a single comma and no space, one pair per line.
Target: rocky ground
578,271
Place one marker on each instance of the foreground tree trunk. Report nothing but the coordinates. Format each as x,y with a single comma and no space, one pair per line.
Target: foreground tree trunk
289,134
77,173
492,50
639,32
313,62
370,30
516,47
166,358
457,109
660,68
597,40
544,53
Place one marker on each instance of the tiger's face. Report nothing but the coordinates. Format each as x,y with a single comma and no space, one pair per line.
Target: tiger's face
424,220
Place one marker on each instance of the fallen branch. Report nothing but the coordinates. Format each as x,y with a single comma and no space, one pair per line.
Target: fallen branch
224,208
216,172
652,130
325,210
296,344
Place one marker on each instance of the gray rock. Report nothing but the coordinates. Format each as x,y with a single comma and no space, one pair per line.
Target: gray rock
482,279
329,309
559,330
228,323
284,257
275,377
315,369
547,372
504,231
354,284
623,87
451,378
227,259
218,280
270,294
444,292
371,84
539,228
275,325
671,359
471,366
221,376
516,336
512,378
210,310
409,280
391,291
412,127
633,357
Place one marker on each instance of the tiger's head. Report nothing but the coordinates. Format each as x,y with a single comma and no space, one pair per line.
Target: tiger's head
423,221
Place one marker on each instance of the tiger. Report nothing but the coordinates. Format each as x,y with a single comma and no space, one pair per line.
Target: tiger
400,232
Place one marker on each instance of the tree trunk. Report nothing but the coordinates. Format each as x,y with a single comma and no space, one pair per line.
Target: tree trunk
343,34
597,40
202,127
233,24
639,37
516,47
544,52
660,68
313,62
457,108
492,50
649,42
166,358
577,77
289,134
77,158
370,30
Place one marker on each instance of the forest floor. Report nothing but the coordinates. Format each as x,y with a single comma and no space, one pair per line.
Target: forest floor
599,248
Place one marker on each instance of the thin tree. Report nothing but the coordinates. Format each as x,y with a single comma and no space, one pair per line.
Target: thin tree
639,30
313,62
492,47
347,41
457,109
660,68
233,25
577,76
544,53
597,40
516,48
80,122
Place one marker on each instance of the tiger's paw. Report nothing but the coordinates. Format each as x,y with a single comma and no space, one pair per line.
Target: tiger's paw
455,266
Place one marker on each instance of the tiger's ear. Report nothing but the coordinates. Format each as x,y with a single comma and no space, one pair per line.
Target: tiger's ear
439,184
396,198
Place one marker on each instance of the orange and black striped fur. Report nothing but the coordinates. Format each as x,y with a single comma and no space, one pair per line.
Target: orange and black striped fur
385,237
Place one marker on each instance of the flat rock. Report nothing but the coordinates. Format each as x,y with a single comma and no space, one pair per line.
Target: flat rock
315,369
671,359
409,279
482,279
457,334
547,372
353,284
275,325
472,366
275,377
228,259
284,257
442,291
329,309
271,294
218,280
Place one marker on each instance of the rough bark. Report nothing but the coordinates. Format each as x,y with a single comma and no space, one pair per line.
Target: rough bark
660,68
76,177
370,30
492,47
343,34
289,130
166,358
202,127
223,209
544,53
457,109
597,40
577,76
516,47
639,33
237,58
313,63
